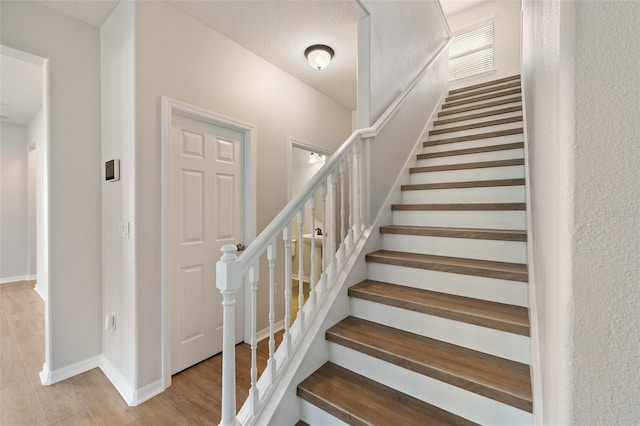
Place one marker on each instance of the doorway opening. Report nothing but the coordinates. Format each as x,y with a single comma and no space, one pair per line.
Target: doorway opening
304,161
25,102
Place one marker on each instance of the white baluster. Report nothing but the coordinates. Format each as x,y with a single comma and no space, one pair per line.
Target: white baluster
323,194
300,269
342,248
286,236
312,274
271,362
358,177
334,225
254,395
350,237
228,281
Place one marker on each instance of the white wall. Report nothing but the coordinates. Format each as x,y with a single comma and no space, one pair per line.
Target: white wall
396,59
578,61
507,36
35,139
14,242
178,57
117,57
74,307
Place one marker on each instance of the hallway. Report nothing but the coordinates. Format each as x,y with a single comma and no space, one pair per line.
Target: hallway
89,398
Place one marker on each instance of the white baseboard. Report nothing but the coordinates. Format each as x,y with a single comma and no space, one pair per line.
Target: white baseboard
48,377
117,379
42,292
17,278
264,333
131,396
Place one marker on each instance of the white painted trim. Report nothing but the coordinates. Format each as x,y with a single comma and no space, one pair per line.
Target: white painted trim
264,333
443,16
117,379
171,106
48,377
147,392
42,292
535,364
16,279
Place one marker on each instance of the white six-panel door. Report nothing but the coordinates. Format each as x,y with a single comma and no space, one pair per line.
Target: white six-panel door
205,213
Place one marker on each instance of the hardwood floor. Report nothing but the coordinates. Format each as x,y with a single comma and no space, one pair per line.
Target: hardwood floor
89,398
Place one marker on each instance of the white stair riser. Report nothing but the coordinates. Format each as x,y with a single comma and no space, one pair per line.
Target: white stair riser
490,194
494,342
487,129
462,114
508,154
499,251
475,103
485,219
486,173
458,401
314,416
499,140
477,120
494,290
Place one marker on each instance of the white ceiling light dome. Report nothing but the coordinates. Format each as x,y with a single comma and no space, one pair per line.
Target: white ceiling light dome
319,55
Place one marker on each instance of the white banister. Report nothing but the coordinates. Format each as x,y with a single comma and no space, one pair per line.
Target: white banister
300,268
286,236
228,281
312,272
254,395
348,168
271,362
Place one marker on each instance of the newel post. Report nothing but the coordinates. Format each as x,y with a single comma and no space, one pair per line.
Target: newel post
228,281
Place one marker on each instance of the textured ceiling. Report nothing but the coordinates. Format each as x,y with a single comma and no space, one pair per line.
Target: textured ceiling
20,90
280,31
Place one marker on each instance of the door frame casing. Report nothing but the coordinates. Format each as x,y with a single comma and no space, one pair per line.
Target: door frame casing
169,107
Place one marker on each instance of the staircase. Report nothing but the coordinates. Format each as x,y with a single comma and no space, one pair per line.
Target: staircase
439,333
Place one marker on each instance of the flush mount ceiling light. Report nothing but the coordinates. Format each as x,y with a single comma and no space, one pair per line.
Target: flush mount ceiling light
319,55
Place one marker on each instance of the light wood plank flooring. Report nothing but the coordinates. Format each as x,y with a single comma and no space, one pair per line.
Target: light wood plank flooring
89,398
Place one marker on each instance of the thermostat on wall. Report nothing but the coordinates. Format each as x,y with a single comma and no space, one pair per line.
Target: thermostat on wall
112,170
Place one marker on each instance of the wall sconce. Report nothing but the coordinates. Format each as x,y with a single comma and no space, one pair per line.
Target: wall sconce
315,158
319,55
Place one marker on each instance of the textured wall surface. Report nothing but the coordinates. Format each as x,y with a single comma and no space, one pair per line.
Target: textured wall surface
580,70
606,239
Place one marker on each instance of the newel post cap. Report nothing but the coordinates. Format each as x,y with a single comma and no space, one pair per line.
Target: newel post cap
228,273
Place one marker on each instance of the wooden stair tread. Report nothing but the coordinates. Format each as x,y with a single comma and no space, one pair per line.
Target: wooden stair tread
492,95
476,150
498,316
357,400
471,233
482,91
485,84
301,423
464,166
454,265
468,184
478,115
460,206
480,106
477,136
488,123
496,378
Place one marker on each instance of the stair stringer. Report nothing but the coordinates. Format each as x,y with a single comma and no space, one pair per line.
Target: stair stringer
284,406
